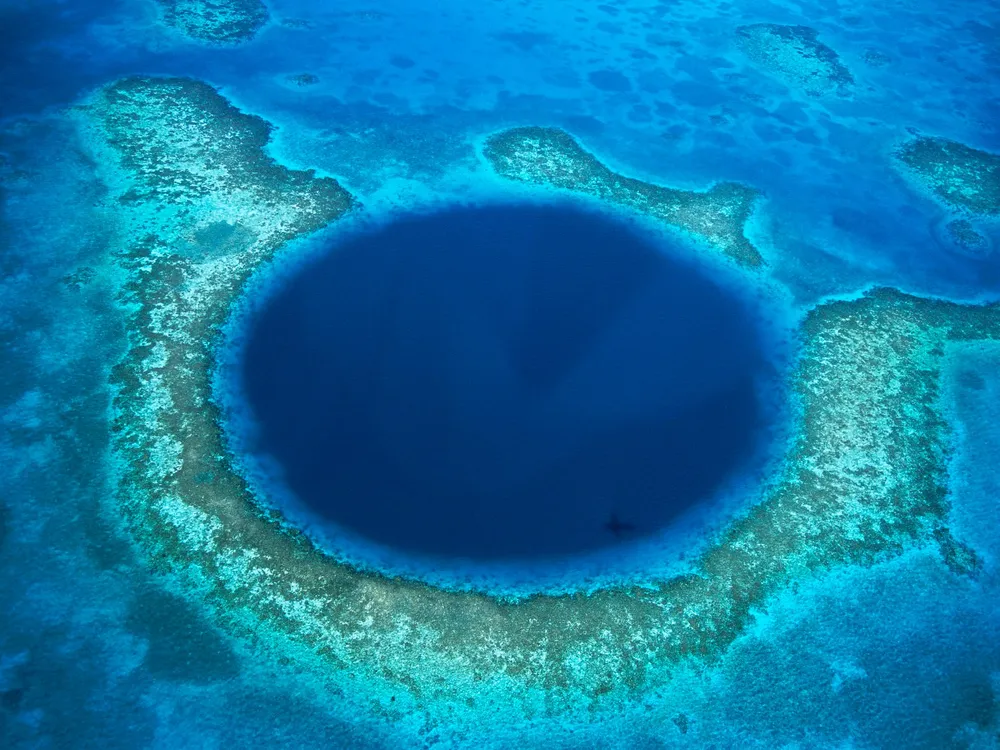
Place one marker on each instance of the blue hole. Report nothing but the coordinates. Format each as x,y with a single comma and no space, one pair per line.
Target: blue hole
504,382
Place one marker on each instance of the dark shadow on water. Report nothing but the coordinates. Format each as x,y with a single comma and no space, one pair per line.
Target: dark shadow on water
504,382
43,60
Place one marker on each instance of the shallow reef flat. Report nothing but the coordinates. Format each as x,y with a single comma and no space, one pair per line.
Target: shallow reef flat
795,55
550,156
965,179
216,21
961,176
863,482
198,205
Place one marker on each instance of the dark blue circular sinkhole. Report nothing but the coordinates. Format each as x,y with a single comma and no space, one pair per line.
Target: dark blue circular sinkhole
506,382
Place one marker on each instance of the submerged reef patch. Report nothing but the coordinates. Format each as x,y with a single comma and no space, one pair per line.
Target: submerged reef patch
875,58
863,481
550,156
216,21
795,55
961,176
302,80
962,235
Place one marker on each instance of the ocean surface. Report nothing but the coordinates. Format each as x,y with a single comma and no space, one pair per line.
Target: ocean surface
539,374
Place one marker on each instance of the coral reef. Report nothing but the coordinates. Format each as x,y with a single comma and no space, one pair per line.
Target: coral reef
549,156
303,79
966,238
216,21
961,176
795,55
864,480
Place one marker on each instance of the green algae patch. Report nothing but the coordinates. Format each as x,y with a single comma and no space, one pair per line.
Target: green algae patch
961,176
552,157
216,21
795,55
865,478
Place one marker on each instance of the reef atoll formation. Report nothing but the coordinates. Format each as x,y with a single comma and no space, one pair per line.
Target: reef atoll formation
961,176
216,21
550,156
865,478
795,55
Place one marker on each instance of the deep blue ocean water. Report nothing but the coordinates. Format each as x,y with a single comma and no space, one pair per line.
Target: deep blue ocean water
502,382
95,651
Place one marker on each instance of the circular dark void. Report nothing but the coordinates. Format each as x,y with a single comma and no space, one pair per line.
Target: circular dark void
516,381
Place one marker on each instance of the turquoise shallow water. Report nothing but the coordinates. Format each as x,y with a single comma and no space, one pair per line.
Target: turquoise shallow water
107,640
